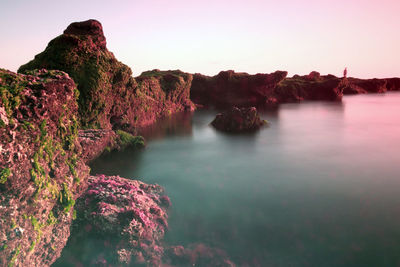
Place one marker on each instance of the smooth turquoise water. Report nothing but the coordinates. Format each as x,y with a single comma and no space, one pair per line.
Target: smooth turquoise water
319,187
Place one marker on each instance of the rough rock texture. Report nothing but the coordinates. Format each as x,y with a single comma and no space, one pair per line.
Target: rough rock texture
95,141
238,120
109,96
229,89
309,87
40,171
127,216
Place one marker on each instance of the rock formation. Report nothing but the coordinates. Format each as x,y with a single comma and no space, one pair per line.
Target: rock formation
128,215
309,87
238,120
41,172
393,84
229,89
109,96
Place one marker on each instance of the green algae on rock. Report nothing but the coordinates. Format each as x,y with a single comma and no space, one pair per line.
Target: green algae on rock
39,164
109,96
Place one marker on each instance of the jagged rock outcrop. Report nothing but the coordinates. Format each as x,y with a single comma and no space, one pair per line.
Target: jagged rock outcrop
109,96
41,172
238,120
130,218
229,89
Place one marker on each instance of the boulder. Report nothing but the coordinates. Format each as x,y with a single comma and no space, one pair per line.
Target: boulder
127,216
238,120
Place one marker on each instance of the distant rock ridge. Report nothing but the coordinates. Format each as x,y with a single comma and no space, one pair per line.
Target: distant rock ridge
230,89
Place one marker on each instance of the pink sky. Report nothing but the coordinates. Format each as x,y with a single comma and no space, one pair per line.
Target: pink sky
210,36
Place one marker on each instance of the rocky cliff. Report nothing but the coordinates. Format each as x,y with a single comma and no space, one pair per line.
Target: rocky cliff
109,96
41,172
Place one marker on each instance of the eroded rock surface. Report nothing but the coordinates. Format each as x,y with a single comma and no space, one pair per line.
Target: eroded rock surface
41,174
127,217
238,120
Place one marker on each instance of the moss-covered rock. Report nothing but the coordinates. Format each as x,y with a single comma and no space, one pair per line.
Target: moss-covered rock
109,96
128,140
40,170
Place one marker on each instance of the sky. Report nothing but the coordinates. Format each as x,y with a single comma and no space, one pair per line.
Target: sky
203,36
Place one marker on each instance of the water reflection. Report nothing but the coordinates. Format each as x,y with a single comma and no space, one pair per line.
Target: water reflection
319,187
179,124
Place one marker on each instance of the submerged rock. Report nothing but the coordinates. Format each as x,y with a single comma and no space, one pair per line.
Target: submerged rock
238,120
41,174
109,96
128,218
197,255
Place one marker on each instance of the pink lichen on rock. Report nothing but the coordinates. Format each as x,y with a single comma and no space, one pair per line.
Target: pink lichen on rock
131,209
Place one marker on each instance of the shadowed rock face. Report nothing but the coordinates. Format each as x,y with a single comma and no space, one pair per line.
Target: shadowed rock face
393,84
229,89
41,174
361,86
238,120
309,87
91,28
109,96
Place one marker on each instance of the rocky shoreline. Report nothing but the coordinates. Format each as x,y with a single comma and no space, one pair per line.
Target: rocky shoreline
75,101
